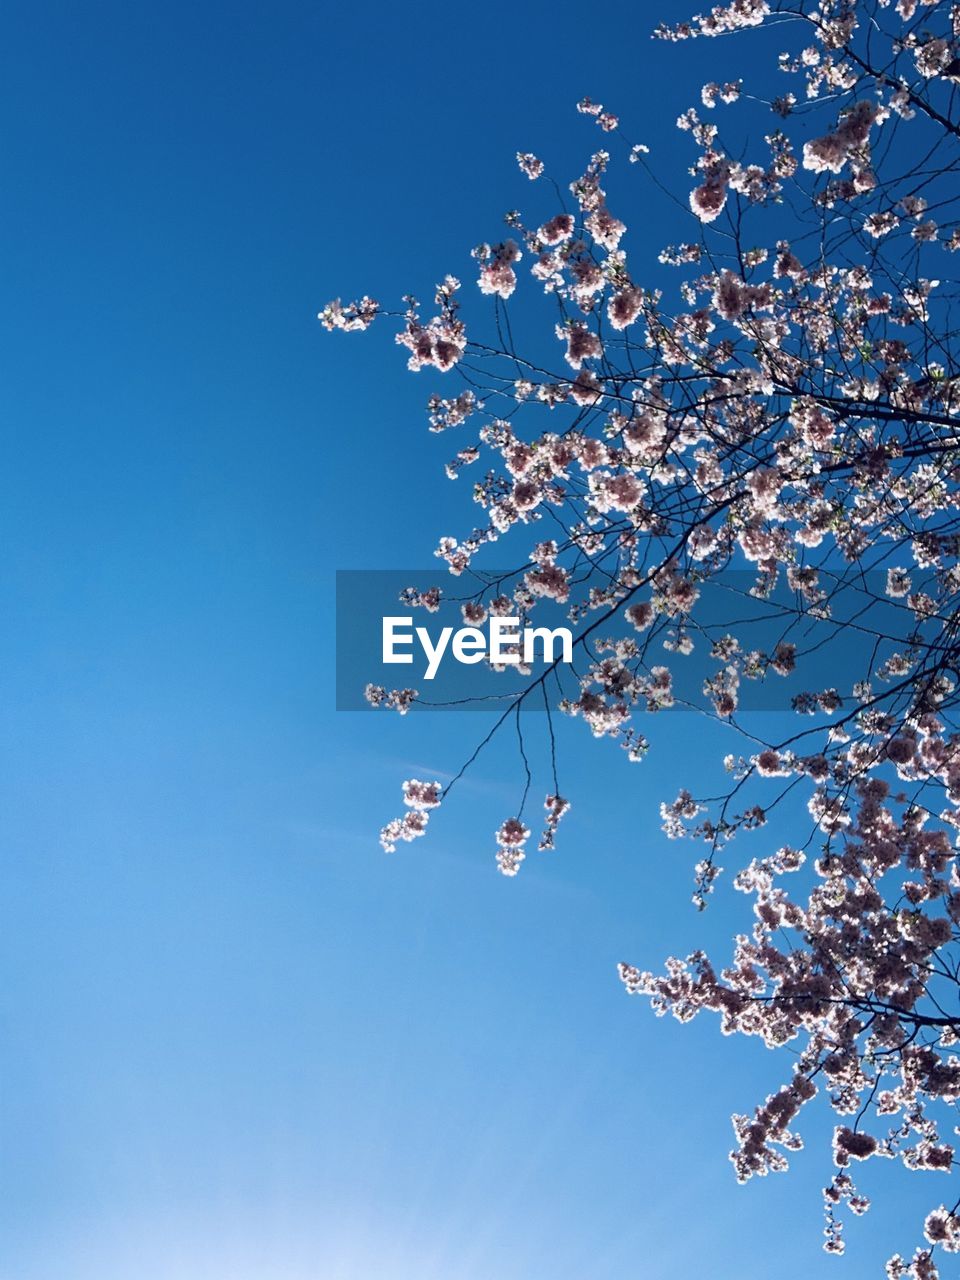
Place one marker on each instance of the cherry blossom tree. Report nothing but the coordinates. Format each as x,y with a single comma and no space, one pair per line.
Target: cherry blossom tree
789,409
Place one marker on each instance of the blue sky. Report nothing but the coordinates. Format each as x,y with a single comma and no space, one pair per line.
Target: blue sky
239,1043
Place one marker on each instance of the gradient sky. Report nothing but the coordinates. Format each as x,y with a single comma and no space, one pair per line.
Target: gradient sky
238,1042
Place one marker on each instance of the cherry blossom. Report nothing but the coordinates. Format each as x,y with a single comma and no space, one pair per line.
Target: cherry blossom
781,423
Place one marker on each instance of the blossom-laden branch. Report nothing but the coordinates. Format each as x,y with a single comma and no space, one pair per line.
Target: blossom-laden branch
789,411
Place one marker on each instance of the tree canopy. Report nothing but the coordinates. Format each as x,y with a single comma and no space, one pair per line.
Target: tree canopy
781,425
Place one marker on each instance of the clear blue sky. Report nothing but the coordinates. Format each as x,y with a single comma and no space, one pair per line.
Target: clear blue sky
238,1042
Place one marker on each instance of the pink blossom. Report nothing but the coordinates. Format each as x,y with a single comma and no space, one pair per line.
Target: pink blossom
558,229
605,228
582,344
707,200
511,838
355,316
624,307
496,271
530,165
